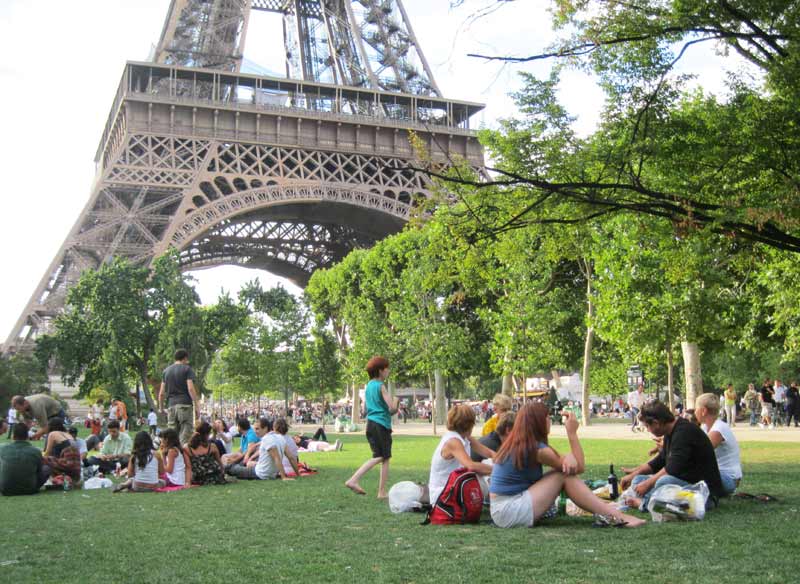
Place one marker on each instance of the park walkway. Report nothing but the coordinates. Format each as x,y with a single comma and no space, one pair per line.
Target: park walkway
604,430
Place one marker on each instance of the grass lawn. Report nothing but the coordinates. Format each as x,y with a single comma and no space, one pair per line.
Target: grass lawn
314,530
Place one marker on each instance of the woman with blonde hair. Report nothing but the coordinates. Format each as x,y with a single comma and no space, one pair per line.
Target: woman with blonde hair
501,404
455,450
726,448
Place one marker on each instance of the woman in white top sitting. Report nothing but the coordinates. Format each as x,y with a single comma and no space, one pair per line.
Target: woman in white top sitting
177,466
223,438
455,449
144,466
726,448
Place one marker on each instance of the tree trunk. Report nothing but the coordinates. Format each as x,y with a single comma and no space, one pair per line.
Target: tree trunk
692,373
440,411
670,379
432,401
147,396
356,404
392,388
508,384
556,379
138,400
587,347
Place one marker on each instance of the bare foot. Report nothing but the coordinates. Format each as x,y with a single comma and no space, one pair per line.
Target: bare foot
383,496
355,487
632,521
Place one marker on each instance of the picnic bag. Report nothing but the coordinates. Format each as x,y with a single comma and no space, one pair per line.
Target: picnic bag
461,500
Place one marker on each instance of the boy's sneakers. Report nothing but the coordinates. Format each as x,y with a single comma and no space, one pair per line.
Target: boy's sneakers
338,446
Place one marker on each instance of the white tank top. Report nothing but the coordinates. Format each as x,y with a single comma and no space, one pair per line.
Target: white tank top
727,452
178,474
441,468
147,475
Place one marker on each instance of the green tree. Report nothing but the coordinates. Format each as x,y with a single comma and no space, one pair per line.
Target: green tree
21,374
113,321
320,370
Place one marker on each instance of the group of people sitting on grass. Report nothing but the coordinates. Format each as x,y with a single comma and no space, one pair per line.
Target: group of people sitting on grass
267,452
515,452
513,457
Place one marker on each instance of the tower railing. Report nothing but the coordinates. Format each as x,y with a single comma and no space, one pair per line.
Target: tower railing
208,87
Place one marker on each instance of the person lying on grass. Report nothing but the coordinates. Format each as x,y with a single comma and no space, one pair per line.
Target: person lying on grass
686,457
520,492
144,467
305,444
726,447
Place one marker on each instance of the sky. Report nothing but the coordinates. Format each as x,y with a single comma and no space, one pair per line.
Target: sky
61,63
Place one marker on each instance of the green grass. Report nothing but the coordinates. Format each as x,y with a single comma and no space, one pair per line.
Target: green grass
314,530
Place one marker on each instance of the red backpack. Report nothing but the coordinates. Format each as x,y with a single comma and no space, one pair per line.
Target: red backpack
461,500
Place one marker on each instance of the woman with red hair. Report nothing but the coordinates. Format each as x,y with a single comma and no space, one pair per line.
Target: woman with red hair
381,406
521,492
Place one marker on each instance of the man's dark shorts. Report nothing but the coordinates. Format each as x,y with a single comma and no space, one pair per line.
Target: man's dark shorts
380,440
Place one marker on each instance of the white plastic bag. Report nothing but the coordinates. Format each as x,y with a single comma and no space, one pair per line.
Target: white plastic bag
98,483
405,496
676,503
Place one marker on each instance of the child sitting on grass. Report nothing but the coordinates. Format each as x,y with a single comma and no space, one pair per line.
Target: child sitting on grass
177,466
144,467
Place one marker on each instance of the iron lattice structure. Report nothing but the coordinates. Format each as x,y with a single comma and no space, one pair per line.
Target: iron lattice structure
283,174
366,43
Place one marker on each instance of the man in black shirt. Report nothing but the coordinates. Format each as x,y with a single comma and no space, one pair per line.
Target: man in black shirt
686,457
178,385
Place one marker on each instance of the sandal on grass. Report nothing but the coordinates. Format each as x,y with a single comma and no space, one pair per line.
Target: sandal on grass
608,521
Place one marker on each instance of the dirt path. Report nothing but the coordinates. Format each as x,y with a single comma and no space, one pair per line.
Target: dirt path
609,431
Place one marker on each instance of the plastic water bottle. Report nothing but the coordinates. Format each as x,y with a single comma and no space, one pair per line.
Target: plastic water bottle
118,470
67,484
613,485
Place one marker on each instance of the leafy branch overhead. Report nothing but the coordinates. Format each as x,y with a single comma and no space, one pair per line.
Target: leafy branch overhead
730,165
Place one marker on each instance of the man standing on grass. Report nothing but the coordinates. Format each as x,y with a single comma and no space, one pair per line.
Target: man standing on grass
41,408
178,385
635,401
152,421
780,402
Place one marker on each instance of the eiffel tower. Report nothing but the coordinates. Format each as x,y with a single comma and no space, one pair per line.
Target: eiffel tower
286,174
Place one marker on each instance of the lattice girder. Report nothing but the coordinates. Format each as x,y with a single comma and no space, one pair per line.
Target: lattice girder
255,170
